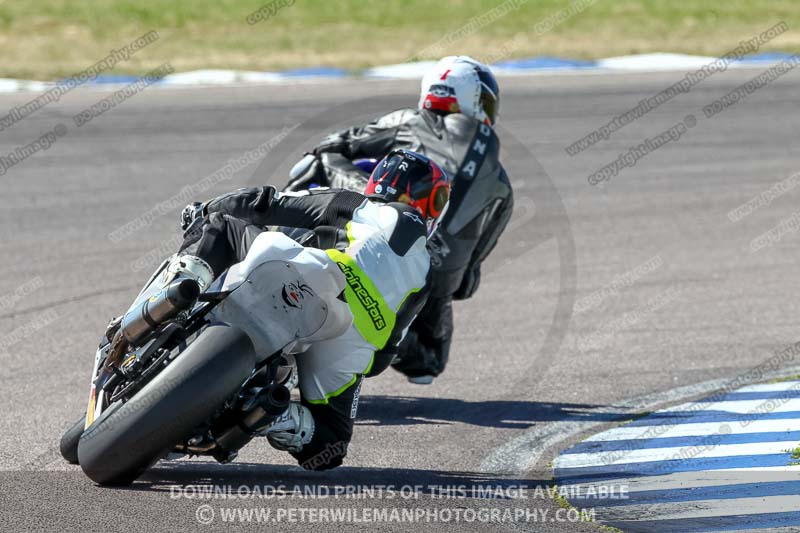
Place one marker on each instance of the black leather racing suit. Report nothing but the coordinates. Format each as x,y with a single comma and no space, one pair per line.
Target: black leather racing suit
481,203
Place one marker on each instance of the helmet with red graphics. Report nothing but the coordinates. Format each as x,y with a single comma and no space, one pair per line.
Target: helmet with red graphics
413,179
459,84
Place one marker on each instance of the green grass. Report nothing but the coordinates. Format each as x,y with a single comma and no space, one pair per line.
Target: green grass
795,458
610,529
51,38
563,502
795,377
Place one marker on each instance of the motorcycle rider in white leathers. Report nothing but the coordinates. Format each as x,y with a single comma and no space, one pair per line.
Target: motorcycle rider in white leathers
375,244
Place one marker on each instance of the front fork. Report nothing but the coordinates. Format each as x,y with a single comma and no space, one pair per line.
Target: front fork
100,375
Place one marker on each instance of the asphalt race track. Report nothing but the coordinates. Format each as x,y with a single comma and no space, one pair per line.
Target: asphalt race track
522,360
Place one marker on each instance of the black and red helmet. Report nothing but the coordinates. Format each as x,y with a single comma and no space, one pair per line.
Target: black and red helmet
413,179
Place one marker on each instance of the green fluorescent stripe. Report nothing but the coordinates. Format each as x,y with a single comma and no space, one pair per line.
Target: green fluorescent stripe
369,366
403,301
372,316
324,401
337,392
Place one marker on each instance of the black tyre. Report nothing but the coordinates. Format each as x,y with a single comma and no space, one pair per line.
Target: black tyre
69,441
130,437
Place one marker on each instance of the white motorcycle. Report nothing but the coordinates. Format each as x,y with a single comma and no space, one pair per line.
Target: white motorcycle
202,372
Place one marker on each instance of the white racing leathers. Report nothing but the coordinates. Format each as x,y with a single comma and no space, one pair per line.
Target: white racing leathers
366,261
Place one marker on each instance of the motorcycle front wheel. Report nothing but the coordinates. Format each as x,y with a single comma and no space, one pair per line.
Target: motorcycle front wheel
69,441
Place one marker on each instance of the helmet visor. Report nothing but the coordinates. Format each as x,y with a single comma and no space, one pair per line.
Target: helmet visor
490,99
439,198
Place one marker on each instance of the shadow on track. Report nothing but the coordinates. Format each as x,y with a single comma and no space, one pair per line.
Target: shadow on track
355,480
504,414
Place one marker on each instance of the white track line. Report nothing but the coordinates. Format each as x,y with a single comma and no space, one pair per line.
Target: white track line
695,430
703,508
756,491
776,405
770,387
682,480
701,451
530,449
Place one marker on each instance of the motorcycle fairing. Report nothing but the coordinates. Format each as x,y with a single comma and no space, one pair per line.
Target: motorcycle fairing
283,295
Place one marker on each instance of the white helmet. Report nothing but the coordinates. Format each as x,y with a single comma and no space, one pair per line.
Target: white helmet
459,84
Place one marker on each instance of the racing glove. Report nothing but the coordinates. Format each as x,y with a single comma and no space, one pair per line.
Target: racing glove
333,143
191,213
309,170
469,284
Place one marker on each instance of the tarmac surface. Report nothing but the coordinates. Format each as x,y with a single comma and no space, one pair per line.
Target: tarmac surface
683,297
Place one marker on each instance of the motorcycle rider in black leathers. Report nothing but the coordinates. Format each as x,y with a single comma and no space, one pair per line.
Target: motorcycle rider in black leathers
373,243
453,126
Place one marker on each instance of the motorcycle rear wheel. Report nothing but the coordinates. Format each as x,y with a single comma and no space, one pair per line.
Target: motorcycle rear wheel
129,437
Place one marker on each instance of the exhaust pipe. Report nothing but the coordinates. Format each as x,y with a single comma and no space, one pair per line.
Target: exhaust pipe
145,317
272,402
275,400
